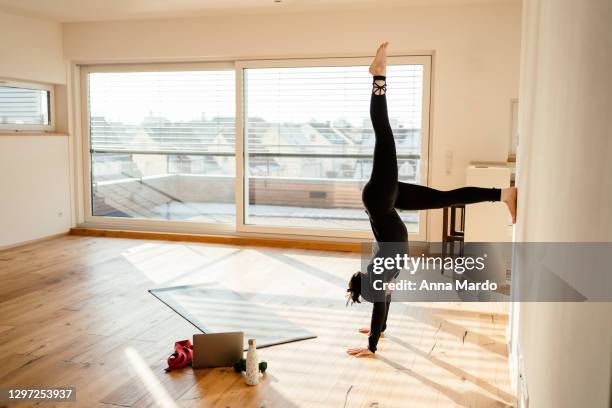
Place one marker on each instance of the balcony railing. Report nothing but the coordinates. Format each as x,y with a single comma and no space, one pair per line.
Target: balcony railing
182,152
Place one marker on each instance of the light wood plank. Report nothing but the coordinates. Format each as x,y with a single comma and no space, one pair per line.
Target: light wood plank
75,311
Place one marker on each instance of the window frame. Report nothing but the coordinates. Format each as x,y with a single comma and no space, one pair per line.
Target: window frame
240,227
50,127
136,223
242,164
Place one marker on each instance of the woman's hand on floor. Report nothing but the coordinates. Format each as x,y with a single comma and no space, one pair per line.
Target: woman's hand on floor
360,352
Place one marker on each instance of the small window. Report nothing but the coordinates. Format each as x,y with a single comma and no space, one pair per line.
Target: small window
25,106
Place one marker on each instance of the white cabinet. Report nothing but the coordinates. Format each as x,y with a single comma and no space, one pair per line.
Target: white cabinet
488,222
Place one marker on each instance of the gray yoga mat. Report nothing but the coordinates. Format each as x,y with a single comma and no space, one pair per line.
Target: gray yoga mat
214,309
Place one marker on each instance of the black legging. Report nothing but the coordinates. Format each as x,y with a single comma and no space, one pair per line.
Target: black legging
383,194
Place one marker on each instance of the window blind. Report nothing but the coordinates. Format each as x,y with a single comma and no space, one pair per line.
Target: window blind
24,106
326,109
184,111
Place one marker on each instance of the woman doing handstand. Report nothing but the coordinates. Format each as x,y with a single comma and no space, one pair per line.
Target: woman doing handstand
383,195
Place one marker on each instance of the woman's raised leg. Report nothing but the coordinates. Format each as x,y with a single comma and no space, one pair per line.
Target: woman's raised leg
417,197
380,192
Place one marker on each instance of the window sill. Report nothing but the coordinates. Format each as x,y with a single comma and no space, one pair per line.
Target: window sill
24,133
279,241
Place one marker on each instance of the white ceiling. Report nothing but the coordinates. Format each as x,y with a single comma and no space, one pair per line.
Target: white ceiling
100,10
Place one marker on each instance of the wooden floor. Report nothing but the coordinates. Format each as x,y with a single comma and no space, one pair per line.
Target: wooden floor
74,311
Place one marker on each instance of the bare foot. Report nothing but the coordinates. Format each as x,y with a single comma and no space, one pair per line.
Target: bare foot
360,352
365,330
379,65
509,196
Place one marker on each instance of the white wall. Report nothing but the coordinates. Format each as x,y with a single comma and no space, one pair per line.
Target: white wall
565,191
31,49
475,69
35,189
34,176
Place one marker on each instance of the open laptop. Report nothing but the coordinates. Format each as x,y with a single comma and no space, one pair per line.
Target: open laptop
217,349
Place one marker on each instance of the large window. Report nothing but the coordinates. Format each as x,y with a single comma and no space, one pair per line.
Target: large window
162,145
25,106
309,141
270,146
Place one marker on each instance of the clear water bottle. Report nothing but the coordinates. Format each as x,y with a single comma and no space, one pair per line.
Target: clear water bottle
252,364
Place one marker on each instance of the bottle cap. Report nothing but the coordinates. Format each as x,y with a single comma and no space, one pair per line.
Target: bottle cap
251,342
